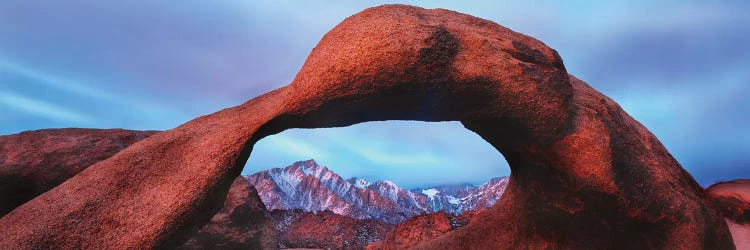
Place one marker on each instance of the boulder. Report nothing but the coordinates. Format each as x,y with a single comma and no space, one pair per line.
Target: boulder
33,162
243,223
421,228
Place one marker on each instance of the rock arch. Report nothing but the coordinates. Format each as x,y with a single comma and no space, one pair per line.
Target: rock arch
584,174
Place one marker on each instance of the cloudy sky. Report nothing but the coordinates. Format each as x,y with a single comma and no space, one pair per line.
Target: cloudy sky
682,68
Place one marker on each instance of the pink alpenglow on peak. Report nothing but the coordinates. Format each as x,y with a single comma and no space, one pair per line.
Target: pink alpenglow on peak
308,186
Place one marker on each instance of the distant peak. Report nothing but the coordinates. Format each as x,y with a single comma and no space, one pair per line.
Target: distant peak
307,185
387,182
359,182
430,192
308,167
310,162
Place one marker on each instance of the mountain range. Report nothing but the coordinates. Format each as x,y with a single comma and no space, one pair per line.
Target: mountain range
308,186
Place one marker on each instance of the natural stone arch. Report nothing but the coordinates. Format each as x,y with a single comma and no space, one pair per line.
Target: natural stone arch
584,174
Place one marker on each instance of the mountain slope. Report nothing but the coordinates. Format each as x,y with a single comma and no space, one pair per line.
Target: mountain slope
308,186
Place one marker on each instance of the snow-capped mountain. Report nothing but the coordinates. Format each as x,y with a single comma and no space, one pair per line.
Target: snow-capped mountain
308,186
459,198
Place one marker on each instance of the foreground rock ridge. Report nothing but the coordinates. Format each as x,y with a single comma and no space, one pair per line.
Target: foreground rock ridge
33,162
584,174
326,230
243,223
422,228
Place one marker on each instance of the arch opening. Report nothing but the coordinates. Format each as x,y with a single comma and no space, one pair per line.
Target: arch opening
410,153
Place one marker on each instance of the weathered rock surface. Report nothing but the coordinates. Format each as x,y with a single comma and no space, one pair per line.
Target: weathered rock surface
49,157
243,223
421,228
33,162
584,174
732,198
326,230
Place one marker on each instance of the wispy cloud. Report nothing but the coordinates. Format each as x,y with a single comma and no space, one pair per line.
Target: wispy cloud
43,109
296,148
389,159
141,110
58,82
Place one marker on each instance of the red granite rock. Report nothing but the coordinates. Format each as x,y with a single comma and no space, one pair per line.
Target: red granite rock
326,230
33,162
48,157
584,174
243,223
420,228
732,198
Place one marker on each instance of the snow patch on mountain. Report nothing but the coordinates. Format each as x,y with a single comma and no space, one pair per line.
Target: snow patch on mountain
430,192
359,183
387,189
453,200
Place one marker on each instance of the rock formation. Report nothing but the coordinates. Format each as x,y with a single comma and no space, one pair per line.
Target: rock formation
732,198
421,228
243,223
46,158
33,162
326,230
584,174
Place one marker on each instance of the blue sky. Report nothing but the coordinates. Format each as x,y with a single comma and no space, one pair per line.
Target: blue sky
679,67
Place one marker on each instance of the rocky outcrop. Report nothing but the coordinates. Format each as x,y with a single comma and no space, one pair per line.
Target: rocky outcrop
33,162
326,230
732,198
421,228
48,157
243,223
579,163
